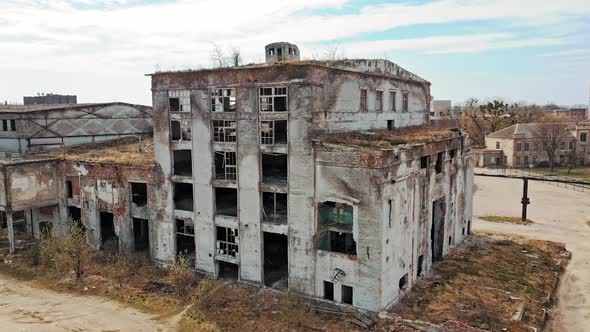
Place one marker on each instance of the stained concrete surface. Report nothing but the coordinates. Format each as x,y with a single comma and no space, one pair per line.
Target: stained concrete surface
24,308
559,214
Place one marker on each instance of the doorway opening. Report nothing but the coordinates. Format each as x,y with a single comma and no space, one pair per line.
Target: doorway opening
437,234
109,240
141,234
276,260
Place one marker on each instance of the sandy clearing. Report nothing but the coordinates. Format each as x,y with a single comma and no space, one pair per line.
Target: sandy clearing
560,215
26,308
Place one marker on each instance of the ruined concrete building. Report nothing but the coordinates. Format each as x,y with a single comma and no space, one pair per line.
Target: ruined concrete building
320,176
34,128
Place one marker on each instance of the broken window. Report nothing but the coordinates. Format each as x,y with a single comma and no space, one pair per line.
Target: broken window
273,99
179,100
392,100
227,242
271,51
182,162
226,202
139,193
225,165
378,101
424,162
180,130
224,131
141,234
346,294
223,100
403,282
273,132
363,105
274,168
405,101
274,207
336,220
438,167
185,238
328,290
183,196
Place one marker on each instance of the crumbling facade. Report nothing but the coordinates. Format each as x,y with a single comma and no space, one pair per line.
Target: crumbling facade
252,161
34,128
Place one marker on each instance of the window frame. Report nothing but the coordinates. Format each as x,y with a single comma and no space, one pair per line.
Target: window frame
271,98
221,134
378,100
184,99
392,101
217,97
405,101
364,96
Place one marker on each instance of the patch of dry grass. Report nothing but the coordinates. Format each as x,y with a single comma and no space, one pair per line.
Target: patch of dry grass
477,282
505,219
383,139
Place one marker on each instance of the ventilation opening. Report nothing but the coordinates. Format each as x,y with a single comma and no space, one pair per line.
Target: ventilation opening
228,271
274,207
274,169
139,193
141,234
328,291
276,263
424,162
225,165
346,294
403,282
390,124
439,163
109,240
420,264
183,196
273,132
226,202
182,163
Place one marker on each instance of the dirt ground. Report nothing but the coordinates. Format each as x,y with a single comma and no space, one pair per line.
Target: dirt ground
560,215
26,308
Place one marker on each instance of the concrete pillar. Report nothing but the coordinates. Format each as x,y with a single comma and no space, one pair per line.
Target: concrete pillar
11,238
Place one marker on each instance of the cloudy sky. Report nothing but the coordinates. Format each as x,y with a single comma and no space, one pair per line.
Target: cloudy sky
533,50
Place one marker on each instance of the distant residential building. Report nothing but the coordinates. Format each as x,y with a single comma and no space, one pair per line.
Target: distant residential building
519,146
50,98
31,128
572,114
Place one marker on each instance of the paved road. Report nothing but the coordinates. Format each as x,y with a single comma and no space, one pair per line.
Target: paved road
24,308
560,215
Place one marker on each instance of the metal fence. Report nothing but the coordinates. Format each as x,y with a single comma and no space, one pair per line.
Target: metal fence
533,173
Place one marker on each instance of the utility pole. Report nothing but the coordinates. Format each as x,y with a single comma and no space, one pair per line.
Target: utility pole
525,198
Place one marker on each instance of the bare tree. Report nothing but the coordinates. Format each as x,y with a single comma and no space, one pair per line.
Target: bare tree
551,131
217,56
236,57
332,52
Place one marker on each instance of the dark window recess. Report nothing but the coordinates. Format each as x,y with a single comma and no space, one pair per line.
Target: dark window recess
228,271
69,189
174,104
274,207
75,215
226,202
4,125
185,238
273,132
336,220
13,125
450,240
182,162
45,229
139,193
276,260
110,241
338,242
424,162
420,264
180,130
403,282
438,167
227,242
347,294
274,168
390,124
183,196
141,234
328,291
452,153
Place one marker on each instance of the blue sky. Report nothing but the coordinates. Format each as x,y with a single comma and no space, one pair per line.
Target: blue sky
528,50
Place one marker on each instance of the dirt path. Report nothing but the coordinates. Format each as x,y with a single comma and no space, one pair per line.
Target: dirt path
560,215
25,308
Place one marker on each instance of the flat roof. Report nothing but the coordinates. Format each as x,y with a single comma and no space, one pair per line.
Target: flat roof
55,107
386,139
128,151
